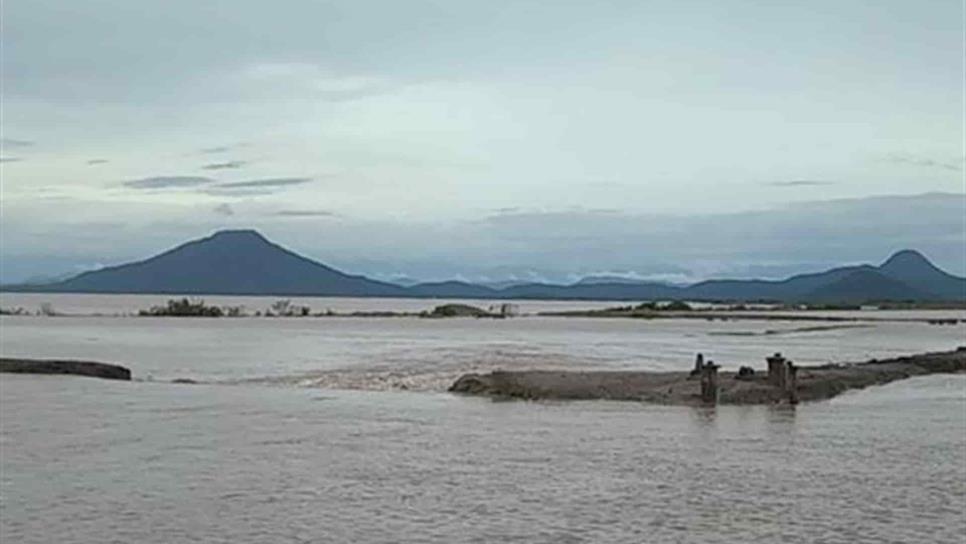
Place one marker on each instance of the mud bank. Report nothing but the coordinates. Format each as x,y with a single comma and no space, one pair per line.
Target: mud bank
52,366
813,382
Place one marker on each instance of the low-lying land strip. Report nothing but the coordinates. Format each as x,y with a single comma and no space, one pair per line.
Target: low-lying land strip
54,366
813,383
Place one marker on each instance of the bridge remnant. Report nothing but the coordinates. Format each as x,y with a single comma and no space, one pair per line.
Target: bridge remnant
709,383
777,370
698,365
783,374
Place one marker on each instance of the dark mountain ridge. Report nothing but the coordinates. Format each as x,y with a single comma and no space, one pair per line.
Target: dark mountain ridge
243,262
913,268
231,262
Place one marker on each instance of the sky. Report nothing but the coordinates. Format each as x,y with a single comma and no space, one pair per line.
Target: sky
486,141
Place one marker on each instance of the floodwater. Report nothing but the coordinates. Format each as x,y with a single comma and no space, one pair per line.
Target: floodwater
301,432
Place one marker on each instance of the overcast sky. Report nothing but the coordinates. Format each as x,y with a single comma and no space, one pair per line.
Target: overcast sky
486,140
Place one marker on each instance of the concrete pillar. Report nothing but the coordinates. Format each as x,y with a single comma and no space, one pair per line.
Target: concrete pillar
698,364
709,383
792,383
777,370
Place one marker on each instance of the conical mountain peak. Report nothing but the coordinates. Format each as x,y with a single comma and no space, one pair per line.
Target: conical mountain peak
914,269
238,235
906,258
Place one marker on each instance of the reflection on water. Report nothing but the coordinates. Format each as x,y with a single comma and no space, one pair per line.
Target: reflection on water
778,419
781,413
705,416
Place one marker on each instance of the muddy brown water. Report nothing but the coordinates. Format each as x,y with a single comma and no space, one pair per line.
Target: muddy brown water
274,449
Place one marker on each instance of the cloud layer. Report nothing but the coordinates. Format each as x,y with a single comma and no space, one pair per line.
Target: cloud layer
801,183
167,182
305,213
264,183
228,165
907,159
15,143
211,186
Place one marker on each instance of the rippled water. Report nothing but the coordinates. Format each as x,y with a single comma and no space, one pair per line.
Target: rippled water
94,461
427,354
270,452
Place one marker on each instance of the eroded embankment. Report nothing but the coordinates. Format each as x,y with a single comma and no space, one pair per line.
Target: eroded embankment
813,383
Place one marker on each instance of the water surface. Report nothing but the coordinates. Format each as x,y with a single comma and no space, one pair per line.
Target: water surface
86,460
302,433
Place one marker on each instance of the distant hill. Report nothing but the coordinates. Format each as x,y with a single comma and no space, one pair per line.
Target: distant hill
231,262
906,275
914,269
243,262
865,284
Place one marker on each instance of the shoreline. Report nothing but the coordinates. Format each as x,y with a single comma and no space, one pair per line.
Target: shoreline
813,383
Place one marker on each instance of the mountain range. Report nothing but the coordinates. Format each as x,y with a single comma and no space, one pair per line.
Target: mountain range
243,262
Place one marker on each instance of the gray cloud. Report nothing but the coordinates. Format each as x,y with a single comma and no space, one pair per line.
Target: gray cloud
224,209
800,183
165,182
95,162
224,165
209,185
925,162
10,159
216,191
305,213
214,150
263,183
255,187
11,142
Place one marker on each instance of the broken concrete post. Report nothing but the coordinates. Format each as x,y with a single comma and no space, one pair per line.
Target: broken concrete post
709,383
698,364
777,371
792,383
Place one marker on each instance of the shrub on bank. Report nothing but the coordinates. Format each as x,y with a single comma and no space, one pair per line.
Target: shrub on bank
184,307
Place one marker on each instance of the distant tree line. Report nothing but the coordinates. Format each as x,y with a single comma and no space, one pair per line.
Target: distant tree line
184,307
